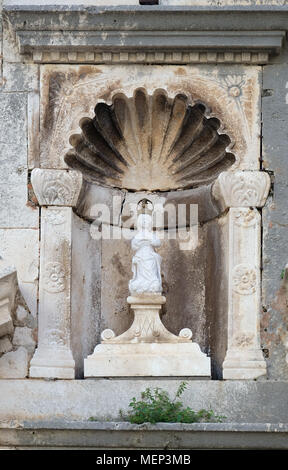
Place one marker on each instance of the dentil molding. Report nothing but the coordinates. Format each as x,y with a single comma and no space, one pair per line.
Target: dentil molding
150,34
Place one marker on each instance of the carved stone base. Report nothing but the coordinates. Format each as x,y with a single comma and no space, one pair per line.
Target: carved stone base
147,359
147,326
243,365
147,348
52,363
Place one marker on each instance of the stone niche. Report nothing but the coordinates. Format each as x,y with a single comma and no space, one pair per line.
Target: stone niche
174,135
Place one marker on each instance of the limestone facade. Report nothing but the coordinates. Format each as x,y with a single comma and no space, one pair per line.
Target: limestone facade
66,286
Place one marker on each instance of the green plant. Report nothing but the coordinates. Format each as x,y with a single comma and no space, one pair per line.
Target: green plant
156,406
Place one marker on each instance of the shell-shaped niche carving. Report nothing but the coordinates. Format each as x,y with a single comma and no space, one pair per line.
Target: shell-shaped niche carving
150,142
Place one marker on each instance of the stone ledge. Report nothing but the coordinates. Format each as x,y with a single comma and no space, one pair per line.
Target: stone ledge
122,435
240,401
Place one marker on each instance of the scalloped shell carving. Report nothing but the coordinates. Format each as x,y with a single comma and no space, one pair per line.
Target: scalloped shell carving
150,142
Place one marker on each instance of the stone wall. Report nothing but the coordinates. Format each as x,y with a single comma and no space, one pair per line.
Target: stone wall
275,217
20,216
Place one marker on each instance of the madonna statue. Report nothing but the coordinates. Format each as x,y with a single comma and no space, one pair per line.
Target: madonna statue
146,262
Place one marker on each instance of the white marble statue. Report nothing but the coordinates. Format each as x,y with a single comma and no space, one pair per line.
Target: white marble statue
146,262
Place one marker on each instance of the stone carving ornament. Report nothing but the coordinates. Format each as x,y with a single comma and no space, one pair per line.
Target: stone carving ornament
54,277
242,188
150,142
56,187
55,191
146,264
244,279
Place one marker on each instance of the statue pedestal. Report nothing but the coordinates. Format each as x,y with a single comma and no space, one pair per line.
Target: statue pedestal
147,348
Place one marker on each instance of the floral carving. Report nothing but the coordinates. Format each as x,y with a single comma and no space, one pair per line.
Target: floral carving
146,327
56,190
234,85
242,188
245,190
54,277
245,218
244,279
56,187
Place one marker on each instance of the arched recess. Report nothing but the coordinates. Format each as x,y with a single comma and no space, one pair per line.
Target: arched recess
213,288
150,143
173,149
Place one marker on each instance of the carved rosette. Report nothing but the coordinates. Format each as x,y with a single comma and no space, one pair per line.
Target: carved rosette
234,86
54,277
56,187
244,278
241,189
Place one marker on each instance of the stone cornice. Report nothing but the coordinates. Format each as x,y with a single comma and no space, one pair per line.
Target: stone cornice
157,34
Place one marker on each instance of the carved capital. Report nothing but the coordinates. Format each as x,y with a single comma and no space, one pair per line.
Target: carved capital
56,187
241,189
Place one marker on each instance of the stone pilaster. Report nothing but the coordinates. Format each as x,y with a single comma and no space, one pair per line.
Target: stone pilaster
242,193
58,192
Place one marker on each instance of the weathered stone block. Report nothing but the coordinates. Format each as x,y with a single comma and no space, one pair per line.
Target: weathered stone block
23,336
13,135
21,246
6,322
85,292
275,219
19,77
8,290
14,364
21,314
101,204
5,345
147,359
10,49
15,209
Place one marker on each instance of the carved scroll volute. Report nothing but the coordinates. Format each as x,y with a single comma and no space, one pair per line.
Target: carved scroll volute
56,187
241,189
